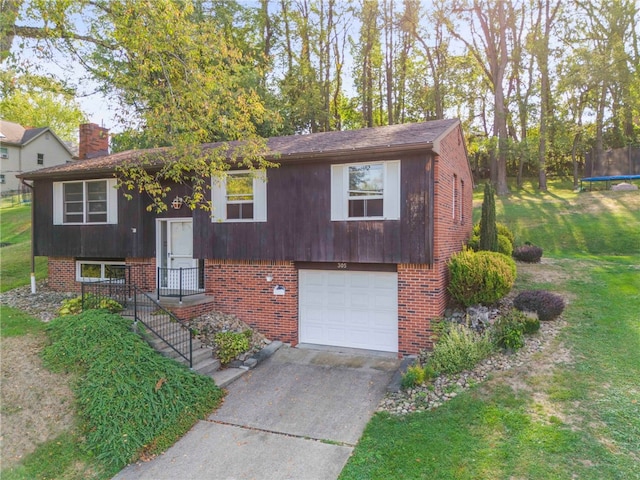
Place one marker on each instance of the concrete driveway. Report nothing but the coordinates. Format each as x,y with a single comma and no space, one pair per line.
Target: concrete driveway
296,416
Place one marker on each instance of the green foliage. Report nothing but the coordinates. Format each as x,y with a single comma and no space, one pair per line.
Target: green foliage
231,344
16,322
459,348
417,375
505,246
504,230
74,306
488,228
508,330
546,304
40,101
130,399
480,277
528,253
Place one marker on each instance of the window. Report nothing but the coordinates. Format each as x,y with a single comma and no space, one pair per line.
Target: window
97,270
41,159
2,179
461,201
454,199
87,201
240,197
4,152
365,191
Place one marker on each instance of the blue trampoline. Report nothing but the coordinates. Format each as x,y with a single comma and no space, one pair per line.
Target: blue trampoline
613,178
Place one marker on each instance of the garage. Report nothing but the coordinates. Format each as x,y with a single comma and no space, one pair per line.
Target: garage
356,309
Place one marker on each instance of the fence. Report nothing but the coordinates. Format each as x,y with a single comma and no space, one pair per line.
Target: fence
179,282
144,309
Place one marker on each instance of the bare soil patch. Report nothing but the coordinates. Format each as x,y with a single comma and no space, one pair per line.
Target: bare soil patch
37,405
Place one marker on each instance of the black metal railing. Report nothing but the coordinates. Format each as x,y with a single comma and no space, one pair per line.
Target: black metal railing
179,282
144,309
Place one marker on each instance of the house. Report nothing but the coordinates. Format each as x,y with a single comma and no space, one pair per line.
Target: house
26,149
344,244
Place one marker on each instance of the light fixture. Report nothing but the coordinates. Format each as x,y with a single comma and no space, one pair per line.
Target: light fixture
176,204
269,278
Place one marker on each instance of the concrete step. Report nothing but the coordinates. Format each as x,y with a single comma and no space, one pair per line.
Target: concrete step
207,366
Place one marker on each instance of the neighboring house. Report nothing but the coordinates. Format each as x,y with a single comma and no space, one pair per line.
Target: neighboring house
345,244
26,149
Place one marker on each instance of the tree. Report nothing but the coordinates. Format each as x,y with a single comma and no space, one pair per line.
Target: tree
179,79
489,45
38,101
488,228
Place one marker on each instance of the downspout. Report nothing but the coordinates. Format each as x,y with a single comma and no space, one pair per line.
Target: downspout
33,257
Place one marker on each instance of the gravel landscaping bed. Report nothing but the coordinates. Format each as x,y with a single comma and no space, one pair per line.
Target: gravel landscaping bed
43,304
445,387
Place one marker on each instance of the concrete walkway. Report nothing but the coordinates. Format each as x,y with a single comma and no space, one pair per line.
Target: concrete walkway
296,416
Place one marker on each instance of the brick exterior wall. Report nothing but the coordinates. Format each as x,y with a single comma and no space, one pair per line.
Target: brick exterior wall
62,274
143,273
94,141
241,289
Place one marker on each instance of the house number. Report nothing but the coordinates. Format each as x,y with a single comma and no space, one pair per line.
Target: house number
342,265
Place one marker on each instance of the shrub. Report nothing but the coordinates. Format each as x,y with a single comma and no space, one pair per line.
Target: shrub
546,304
458,349
231,344
73,306
488,229
504,230
413,376
474,243
508,330
480,277
504,245
531,324
131,401
528,253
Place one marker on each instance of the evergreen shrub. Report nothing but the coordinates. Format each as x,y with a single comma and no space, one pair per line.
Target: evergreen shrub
480,277
504,245
459,348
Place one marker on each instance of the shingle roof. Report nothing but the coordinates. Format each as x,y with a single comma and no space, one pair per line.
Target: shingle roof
11,132
391,138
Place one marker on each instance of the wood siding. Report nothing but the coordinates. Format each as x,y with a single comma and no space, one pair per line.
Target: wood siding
299,226
133,236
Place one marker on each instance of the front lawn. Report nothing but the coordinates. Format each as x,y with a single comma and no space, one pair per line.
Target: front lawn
574,412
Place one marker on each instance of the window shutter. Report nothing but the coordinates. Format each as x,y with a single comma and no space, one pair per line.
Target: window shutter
260,197
112,201
218,200
338,192
392,191
58,203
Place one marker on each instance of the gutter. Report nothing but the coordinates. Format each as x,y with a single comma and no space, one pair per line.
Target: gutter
33,257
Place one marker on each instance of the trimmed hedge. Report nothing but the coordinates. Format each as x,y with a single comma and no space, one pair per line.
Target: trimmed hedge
528,254
546,304
480,277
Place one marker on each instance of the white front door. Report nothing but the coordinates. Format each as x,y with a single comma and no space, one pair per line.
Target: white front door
175,251
357,309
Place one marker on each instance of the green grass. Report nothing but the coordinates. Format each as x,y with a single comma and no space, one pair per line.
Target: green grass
14,322
584,419
15,259
130,401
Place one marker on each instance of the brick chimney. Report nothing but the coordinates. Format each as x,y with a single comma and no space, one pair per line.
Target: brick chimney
94,141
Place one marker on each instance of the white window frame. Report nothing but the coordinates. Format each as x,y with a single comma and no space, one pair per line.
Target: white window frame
454,199
3,179
4,152
40,159
103,264
59,202
219,197
390,193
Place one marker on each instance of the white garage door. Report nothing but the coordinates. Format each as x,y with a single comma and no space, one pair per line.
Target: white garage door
349,309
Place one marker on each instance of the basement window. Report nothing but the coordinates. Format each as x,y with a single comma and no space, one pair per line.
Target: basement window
96,270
